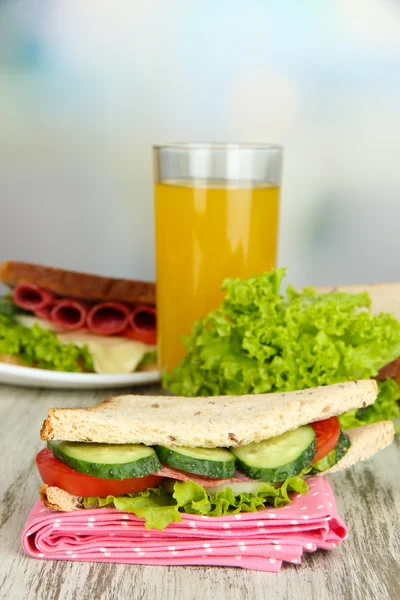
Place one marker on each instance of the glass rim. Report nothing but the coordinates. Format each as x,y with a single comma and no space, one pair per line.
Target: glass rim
224,146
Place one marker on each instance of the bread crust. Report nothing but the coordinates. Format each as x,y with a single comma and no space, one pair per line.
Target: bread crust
78,285
218,421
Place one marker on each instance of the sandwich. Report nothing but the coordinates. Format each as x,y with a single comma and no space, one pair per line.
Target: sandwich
160,457
263,339
69,321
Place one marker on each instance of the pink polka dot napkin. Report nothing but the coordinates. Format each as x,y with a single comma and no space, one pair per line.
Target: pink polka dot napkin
261,541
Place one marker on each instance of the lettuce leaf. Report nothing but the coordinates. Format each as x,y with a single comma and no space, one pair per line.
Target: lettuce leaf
261,340
159,508
41,348
384,408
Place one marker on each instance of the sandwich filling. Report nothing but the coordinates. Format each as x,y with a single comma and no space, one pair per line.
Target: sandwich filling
32,341
159,483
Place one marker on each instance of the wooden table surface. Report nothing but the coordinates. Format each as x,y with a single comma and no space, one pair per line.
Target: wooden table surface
365,567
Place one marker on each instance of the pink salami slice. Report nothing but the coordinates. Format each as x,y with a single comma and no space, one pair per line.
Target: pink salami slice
30,297
69,314
45,312
108,318
172,473
143,324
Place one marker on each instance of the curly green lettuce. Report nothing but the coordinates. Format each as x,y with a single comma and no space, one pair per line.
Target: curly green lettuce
261,340
41,348
159,508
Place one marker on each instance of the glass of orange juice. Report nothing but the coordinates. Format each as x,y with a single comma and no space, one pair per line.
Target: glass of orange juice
216,216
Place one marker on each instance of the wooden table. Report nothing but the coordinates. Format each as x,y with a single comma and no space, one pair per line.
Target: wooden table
365,567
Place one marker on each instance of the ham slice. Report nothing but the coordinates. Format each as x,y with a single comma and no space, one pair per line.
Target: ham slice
143,324
172,473
108,318
30,297
69,314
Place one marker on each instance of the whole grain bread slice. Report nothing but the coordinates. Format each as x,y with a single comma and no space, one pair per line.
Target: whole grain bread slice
78,285
219,421
365,441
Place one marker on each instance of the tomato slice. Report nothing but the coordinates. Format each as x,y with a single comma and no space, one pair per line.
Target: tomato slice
54,472
328,432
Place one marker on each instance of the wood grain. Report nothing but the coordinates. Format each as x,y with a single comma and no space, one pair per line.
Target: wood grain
365,567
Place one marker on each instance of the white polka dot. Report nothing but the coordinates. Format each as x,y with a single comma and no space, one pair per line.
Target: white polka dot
320,506
238,557
206,545
146,535
40,554
295,561
311,485
171,548
125,517
70,551
326,494
192,524
58,521
305,517
204,517
315,493
137,549
303,508
275,542
73,555
298,496
123,524
56,524
260,523
330,504
278,546
271,515
103,549
293,522
42,510
90,524
309,546
272,561
91,519
174,552
333,545
261,529
346,536
226,526
238,517
107,553
209,549
242,545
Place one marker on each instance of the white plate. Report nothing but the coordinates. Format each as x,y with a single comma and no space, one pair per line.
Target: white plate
41,378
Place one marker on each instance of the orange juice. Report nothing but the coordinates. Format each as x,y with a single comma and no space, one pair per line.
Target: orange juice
205,233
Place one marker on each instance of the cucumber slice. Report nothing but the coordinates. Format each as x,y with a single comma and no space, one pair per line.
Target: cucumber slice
108,461
216,463
334,455
279,457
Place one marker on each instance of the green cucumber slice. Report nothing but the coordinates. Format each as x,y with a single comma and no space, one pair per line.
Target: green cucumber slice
108,461
279,457
216,463
334,455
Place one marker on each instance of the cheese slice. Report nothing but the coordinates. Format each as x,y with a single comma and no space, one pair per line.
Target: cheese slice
110,354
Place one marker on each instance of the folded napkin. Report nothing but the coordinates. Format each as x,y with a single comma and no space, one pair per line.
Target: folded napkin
261,541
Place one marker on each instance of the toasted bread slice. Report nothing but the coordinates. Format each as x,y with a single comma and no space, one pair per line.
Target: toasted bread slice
78,285
218,421
365,441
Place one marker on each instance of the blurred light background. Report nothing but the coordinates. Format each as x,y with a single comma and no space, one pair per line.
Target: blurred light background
87,86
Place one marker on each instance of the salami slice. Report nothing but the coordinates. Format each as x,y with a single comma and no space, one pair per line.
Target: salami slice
172,473
30,297
45,312
69,314
143,324
108,318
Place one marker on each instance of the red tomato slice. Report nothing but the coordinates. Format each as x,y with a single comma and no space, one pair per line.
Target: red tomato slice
54,472
142,335
328,432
